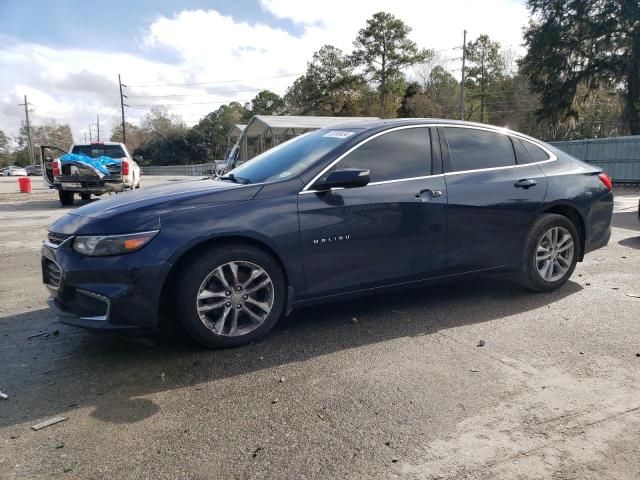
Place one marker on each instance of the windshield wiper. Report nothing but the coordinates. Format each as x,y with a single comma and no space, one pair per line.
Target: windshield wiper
235,179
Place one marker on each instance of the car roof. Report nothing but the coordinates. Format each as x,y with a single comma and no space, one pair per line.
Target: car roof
370,124
398,122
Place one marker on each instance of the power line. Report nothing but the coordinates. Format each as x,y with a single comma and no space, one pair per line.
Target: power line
198,94
513,111
189,103
213,83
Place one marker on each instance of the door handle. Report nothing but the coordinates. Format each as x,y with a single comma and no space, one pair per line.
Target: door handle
525,183
433,193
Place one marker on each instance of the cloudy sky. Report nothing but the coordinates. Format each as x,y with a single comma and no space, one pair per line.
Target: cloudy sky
194,55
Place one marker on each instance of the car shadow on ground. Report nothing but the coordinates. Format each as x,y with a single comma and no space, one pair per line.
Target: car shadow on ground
631,242
50,375
627,219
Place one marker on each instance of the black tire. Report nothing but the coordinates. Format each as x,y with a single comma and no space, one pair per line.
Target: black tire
66,198
200,267
529,277
85,196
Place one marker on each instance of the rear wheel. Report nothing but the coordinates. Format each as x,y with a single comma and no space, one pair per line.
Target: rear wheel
66,198
230,297
551,251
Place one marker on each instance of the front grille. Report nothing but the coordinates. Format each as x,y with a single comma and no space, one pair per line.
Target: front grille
51,273
57,238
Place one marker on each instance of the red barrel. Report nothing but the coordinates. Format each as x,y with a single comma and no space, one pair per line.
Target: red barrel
25,184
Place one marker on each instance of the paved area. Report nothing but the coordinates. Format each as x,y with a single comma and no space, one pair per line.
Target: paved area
393,386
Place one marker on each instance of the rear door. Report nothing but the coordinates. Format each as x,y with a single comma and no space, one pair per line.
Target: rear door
389,231
492,198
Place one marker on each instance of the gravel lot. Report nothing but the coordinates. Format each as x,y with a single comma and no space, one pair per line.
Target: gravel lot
393,386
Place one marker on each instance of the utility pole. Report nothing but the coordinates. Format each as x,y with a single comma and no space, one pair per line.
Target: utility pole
464,57
122,105
26,114
85,137
482,89
98,126
90,138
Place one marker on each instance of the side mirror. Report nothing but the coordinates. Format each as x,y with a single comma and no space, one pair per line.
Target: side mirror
347,178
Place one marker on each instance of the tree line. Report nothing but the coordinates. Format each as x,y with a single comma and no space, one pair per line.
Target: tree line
579,78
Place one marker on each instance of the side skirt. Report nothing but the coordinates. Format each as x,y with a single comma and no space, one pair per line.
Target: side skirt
297,303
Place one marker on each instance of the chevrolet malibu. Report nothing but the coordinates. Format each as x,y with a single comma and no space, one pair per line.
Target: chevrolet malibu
330,214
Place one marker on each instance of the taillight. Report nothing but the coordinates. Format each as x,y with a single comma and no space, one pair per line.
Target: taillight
606,180
125,167
56,168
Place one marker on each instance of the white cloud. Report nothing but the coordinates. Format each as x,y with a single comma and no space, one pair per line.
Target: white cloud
72,85
435,24
65,85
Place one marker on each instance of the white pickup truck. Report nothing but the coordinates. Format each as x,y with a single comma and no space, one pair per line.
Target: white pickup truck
70,178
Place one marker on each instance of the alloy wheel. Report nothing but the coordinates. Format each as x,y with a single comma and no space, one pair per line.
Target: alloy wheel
235,298
554,254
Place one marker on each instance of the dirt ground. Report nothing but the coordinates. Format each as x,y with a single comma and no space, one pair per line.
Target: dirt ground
393,386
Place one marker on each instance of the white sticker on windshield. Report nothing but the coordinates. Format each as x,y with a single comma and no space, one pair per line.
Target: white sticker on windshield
338,134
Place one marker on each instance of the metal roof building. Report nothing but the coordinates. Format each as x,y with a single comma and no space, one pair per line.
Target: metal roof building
267,131
236,130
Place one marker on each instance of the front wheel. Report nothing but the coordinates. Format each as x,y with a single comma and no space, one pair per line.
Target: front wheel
230,297
85,196
66,198
551,251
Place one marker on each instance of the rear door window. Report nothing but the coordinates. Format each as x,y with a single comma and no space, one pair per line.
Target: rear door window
473,149
404,153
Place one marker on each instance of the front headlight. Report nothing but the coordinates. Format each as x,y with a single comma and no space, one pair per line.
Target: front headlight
99,245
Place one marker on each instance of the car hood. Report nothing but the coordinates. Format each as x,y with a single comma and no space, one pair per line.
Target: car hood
142,209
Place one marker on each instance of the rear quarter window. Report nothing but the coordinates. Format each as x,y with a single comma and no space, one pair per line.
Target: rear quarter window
535,152
473,149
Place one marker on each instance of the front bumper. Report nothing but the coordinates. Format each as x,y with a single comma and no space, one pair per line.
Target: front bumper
117,293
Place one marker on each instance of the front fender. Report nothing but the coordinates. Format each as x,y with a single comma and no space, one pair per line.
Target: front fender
270,222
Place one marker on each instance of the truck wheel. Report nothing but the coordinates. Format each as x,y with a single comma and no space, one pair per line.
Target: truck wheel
66,198
85,196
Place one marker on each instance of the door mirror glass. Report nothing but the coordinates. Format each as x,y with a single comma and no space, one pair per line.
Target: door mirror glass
346,178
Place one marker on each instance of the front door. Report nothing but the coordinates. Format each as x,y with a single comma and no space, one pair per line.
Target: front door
390,231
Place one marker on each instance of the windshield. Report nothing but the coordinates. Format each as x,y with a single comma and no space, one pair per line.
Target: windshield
291,158
95,151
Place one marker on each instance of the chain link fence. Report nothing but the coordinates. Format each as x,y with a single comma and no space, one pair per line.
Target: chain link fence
202,169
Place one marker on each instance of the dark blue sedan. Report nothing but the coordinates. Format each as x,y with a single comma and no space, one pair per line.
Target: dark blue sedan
332,213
